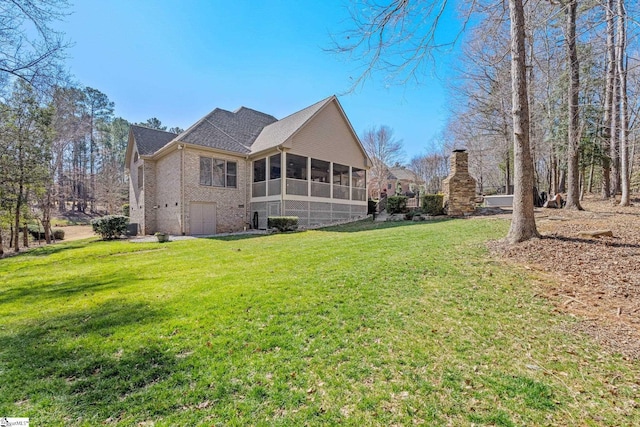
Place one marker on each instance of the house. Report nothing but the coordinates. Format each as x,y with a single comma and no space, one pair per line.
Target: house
231,170
402,180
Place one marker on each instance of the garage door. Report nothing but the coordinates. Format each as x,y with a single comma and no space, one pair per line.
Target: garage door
202,218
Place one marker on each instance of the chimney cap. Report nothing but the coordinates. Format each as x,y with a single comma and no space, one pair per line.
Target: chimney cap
459,150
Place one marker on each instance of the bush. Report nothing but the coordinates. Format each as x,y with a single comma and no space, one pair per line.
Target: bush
37,231
110,227
283,223
125,209
432,204
397,204
58,233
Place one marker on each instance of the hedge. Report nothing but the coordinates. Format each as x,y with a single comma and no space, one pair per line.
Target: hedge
283,223
397,204
38,232
432,204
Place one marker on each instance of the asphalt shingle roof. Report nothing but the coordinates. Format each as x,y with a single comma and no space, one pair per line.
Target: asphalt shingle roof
243,131
149,140
226,130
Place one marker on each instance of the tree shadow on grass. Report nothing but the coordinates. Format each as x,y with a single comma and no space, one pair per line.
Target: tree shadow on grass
59,290
55,248
236,237
70,364
368,224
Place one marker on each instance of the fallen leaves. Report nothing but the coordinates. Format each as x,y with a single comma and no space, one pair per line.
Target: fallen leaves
596,279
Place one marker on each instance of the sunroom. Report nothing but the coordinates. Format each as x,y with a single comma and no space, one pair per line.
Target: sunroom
316,191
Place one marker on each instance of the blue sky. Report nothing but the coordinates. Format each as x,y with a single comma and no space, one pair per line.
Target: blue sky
178,60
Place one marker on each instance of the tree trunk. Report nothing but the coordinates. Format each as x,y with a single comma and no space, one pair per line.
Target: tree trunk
614,153
624,110
608,100
573,149
523,223
16,230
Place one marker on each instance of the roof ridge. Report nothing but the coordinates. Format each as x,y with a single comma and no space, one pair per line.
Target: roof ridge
148,128
221,130
322,101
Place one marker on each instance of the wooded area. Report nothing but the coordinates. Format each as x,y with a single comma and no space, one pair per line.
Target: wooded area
61,146
581,78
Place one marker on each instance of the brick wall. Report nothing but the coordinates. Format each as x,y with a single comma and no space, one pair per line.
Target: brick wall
168,200
230,202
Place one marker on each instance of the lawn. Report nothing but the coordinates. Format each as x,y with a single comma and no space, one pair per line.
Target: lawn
367,324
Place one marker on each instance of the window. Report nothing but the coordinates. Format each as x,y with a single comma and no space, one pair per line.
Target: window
218,172
340,174
358,178
275,165
296,167
358,184
205,171
319,170
140,176
232,174
259,170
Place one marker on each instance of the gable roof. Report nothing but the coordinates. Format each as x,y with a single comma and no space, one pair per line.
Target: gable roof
244,131
149,140
402,173
278,132
226,130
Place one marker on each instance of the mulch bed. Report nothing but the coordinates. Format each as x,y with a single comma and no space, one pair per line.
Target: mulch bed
595,279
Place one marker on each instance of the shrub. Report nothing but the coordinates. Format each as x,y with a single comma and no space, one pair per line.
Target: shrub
126,209
397,204
432,204
283,223
58,233
36,231
110,227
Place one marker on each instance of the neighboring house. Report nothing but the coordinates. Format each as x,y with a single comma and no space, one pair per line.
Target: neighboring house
231,170
401,180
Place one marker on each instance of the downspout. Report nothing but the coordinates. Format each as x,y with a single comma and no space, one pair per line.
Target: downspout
246,217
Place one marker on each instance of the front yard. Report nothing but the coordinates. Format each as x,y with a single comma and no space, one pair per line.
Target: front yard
366,324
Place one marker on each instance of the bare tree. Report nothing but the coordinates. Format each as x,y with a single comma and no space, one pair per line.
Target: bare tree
30,49
624,110
573,151
384,150
608,97
399,39
523,223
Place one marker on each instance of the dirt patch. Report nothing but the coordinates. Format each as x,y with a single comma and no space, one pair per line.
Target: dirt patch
77,232
596,279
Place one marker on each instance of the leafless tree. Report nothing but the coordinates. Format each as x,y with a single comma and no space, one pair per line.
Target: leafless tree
30,49
383,150
523,223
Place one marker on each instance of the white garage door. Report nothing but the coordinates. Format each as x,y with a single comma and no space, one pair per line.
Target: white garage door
202,218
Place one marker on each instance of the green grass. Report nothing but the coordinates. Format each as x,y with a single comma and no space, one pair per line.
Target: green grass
366,324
